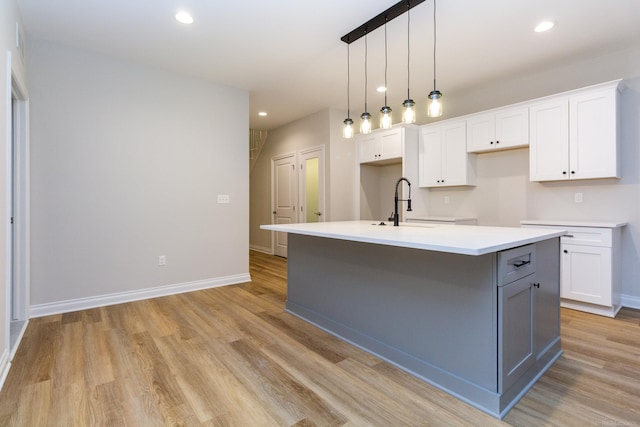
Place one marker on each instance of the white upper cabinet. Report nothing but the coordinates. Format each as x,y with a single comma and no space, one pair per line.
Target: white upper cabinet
498,130
575,135
381,146
442,156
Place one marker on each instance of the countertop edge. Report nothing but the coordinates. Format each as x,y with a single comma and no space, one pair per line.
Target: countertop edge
472,250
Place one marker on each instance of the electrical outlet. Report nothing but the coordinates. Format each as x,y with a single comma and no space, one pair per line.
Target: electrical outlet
223,198
446,200
162,260
578,197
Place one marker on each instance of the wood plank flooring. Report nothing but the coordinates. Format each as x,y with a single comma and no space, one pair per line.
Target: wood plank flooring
231,356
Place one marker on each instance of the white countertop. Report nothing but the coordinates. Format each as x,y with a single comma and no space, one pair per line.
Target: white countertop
458,239
562,223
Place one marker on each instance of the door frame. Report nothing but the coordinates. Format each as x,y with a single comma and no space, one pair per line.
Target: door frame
18,188
302,199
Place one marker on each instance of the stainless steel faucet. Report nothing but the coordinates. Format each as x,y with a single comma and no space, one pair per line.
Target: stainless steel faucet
396,221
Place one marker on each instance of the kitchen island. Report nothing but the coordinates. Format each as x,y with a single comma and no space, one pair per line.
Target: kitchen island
472,310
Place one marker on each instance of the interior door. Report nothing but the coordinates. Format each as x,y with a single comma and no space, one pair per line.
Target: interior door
312,185
284,184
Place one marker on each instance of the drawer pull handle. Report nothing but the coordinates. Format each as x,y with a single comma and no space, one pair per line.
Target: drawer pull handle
567,235
519,264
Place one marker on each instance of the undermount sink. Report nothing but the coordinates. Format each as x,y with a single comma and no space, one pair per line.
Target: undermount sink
405,224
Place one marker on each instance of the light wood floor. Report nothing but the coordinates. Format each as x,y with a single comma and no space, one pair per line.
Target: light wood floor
232,356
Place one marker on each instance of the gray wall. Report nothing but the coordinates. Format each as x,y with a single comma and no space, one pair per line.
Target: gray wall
126,163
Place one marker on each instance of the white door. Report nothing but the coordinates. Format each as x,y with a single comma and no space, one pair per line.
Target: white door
312,185
284,184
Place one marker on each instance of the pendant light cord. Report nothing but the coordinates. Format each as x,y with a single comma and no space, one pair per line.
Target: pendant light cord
348,81
434,45
408,50
385,62
366,49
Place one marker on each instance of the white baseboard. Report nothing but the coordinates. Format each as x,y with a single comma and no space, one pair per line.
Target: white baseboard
630,301
5,364
262,249
47,309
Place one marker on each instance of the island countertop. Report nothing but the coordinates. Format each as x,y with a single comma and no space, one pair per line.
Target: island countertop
458,239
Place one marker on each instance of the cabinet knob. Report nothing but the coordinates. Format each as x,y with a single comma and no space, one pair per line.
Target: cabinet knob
573,171
536,285
491,142
565,251
564,172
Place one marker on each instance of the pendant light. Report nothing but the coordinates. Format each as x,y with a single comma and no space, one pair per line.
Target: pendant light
365,124
435,104
385,112
408,106
347,131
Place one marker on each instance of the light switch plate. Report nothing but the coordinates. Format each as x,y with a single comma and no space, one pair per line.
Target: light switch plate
223,198
578,198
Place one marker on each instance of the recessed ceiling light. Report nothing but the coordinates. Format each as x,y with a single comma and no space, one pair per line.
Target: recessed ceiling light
544,26
262,113
381,89
184,17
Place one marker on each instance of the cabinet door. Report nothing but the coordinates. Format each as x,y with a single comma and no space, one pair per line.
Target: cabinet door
455,160
546,302
593,143
512,128
586,274
480,132
430,157
368,148
391,144
515,331
549,140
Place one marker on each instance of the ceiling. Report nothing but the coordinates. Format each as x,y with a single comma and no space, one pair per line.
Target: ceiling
288,53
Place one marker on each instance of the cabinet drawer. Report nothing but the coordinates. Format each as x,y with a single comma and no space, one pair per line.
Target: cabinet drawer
516,263
587,236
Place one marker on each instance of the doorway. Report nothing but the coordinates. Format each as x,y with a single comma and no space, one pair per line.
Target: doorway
17,175
311,184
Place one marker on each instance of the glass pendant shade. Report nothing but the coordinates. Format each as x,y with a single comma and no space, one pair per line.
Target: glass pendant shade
435,104
386,119
365,124
347,130
408,111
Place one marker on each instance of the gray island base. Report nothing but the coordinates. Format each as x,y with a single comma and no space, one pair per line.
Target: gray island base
482,327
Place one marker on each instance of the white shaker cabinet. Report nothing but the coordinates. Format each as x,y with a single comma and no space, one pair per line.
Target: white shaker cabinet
442,156
575,135
498,130
589,265
381,146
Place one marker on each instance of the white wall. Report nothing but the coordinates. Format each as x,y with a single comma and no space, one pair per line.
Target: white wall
9,15
127,163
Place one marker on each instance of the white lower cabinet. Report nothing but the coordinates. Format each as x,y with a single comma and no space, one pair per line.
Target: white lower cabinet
442,156
589,265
